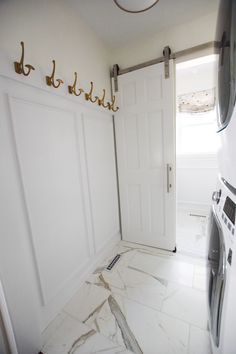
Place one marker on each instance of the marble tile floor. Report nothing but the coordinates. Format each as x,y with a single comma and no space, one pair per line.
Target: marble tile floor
191,231
151,302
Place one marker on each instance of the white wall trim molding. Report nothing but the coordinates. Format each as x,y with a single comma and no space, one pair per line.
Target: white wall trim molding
99,117
24,201
45,297
193,206
88,182
37,80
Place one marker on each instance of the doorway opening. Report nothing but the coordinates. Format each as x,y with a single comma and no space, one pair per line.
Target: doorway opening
196,147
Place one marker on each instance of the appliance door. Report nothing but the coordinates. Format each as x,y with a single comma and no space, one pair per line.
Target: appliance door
226,40
216,275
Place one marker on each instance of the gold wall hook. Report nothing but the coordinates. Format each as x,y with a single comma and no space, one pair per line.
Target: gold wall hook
19,66
72,89
89,96
111,105
50,80
101,100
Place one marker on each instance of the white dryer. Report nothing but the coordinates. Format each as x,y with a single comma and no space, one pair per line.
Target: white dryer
226,43
227,151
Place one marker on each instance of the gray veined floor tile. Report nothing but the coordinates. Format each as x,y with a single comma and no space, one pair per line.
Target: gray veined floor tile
165,268
145,305
73,337
155,332
146,249
191,231
53,326
127,323
132,282
143,278
136,285
199,341
200,277
187,304
87,300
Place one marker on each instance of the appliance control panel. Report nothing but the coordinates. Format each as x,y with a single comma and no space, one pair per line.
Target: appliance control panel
230,209
228,214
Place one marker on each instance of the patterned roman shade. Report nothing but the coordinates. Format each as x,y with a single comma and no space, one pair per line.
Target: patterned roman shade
197,102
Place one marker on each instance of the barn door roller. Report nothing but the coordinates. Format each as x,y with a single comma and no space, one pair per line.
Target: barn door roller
166,54
115,72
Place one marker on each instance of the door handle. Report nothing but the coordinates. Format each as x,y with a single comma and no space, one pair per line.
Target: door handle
213,272
168,170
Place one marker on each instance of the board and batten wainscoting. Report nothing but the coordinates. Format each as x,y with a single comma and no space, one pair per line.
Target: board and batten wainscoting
59,204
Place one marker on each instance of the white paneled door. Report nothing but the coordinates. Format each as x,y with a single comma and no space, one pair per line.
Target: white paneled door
145,137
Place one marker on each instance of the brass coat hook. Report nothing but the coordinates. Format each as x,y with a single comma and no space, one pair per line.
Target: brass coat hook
89,96
101,100
19,66
112,105
72,89
50,80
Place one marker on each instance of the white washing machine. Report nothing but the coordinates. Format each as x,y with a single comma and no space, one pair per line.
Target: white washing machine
222,270
226,89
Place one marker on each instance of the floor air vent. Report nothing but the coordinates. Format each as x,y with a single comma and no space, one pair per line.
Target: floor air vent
198,215
113,262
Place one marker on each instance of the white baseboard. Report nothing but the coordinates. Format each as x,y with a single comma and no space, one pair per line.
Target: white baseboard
193,207
67,293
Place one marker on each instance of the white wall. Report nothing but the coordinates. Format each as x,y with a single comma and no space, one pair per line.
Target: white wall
196,174
178,38
53,30
194,76
196,180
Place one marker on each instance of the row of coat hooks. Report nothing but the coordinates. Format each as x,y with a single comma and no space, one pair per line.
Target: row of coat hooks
25,69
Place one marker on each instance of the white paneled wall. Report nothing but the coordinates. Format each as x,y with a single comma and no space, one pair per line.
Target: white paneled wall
46,147
58,202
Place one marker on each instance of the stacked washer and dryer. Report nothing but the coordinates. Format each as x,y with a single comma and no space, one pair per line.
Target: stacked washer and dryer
221,227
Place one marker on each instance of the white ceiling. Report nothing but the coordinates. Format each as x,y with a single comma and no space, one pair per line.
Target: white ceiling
116,27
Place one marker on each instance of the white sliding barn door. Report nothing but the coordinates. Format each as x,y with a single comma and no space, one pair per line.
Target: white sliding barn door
145,137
